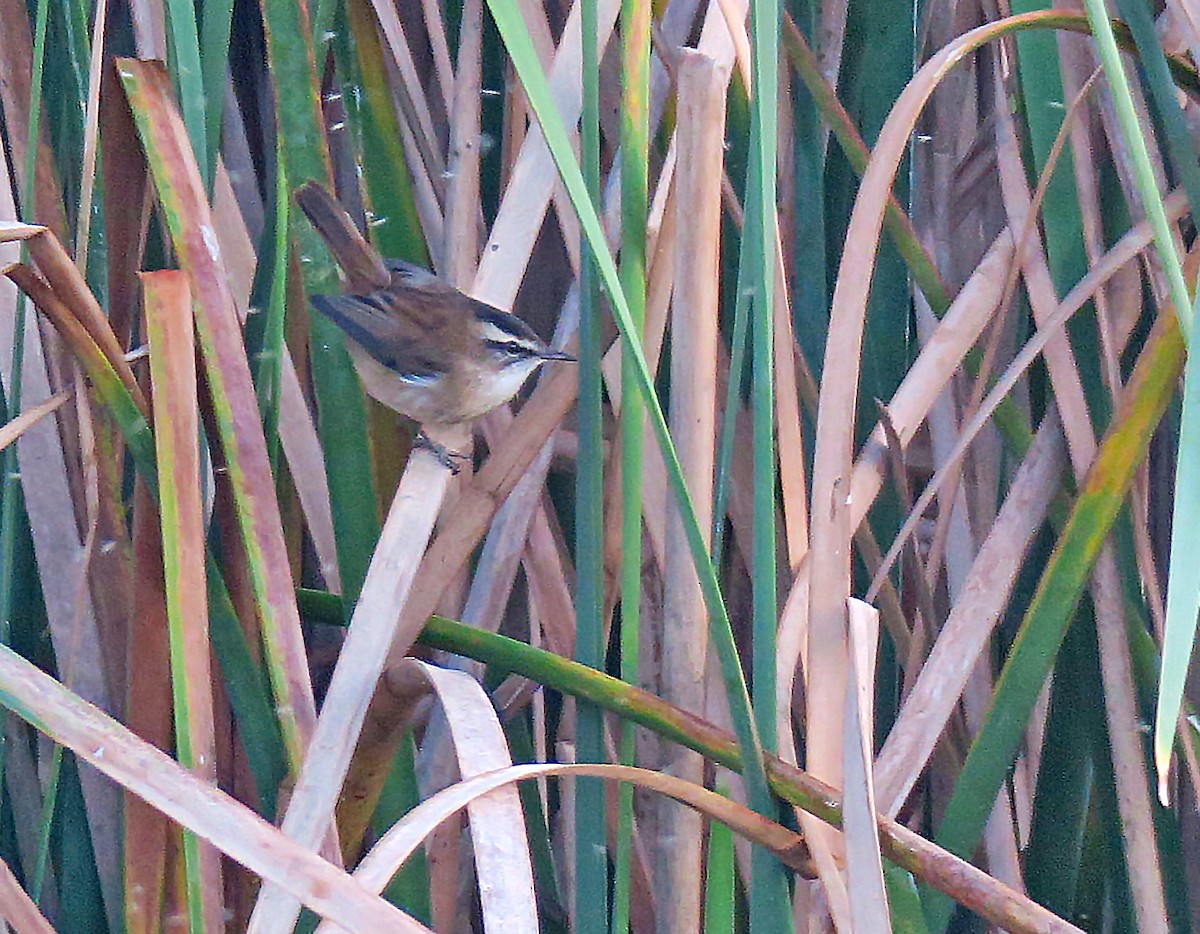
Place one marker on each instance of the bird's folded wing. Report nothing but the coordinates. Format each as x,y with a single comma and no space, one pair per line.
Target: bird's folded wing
388,338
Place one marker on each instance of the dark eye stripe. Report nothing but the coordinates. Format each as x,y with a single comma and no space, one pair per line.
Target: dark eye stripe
509,348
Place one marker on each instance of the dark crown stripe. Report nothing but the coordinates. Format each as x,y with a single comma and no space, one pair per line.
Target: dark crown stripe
503,321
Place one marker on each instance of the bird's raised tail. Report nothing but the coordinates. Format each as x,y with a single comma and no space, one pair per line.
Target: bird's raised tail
360,262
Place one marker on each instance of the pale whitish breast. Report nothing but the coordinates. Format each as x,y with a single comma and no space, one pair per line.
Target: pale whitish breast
486,391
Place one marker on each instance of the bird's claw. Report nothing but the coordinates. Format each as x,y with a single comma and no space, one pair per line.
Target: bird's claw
451,460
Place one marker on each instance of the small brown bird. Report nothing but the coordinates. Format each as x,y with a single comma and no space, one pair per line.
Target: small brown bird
420,346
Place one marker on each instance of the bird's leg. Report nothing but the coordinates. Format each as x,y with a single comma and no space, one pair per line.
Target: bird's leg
451,460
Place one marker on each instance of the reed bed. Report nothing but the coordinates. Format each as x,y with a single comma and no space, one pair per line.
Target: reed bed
845,582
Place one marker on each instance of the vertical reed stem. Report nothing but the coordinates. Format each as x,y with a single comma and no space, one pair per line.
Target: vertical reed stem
700,145
591,864
768,894
635,142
